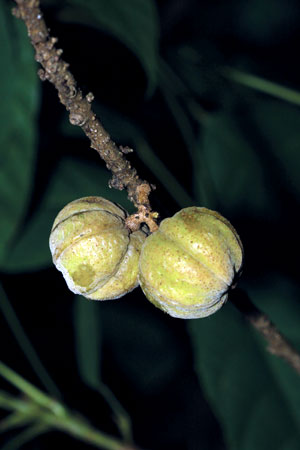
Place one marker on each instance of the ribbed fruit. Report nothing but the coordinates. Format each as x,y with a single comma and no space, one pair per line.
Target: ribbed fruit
187,267
97,255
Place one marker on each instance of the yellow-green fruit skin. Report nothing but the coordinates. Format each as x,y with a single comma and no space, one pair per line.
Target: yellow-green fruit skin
97,255
187,267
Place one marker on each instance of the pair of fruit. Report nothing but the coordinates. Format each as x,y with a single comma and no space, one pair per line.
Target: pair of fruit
185,268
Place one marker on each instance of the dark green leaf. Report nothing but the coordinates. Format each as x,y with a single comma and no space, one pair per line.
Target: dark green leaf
279,124
263,22
88,345
133,22
144,347
18,110
249,389
87,328
233,167
73,179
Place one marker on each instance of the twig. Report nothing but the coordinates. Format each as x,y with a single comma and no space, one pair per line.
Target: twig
55,69
277,344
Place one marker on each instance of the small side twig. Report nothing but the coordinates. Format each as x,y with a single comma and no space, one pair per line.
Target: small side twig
56,70
277,344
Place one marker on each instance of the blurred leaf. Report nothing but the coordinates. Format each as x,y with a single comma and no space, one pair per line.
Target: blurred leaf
133,22
73,179
234,168
19,103
264,22
144,346
87,327
171,86
196,65
162,173
254,394
88,345
279,124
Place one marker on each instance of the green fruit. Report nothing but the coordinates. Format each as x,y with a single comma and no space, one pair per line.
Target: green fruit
187,267
97,255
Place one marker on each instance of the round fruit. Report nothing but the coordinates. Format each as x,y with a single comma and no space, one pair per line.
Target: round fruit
187,267
97,255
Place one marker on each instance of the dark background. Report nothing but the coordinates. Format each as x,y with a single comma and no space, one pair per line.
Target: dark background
170,79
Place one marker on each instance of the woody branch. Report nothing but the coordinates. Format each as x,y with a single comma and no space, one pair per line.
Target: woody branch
56,70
